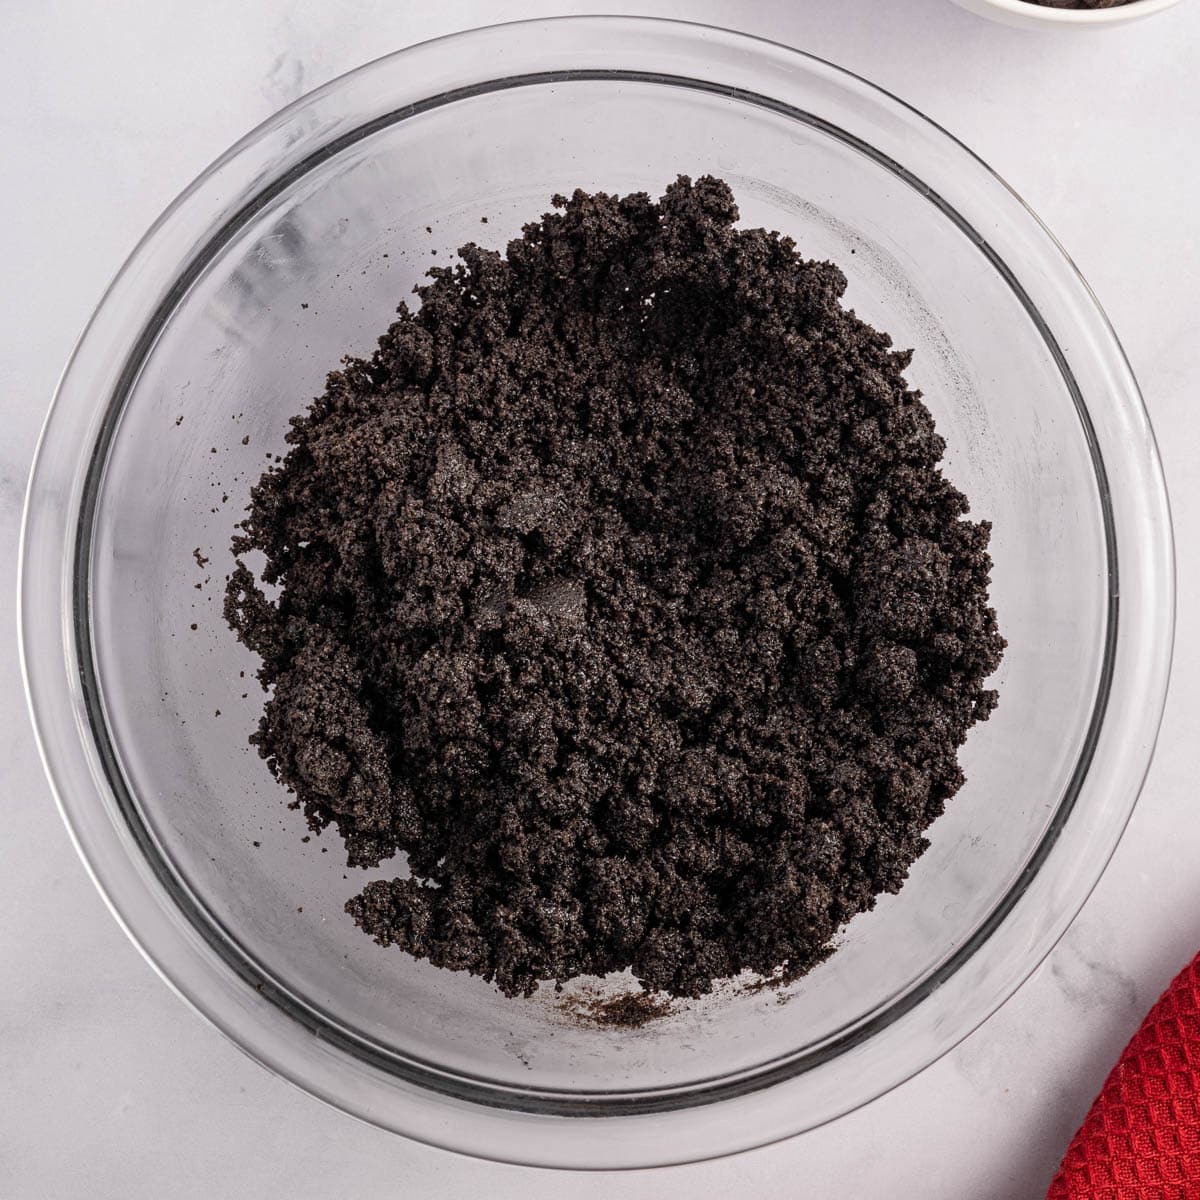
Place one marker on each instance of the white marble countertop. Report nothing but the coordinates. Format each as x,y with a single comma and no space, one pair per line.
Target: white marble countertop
109,1086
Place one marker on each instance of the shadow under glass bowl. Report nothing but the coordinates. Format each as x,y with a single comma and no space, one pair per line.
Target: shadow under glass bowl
295,248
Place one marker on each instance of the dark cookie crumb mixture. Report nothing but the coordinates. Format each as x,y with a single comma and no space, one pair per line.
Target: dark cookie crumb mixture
620,589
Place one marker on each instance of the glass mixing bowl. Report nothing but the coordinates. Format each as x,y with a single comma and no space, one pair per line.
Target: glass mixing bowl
293,249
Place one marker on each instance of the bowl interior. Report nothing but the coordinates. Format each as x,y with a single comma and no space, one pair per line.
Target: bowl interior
316,272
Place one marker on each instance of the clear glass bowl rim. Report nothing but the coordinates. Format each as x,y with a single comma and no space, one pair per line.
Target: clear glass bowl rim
420,1101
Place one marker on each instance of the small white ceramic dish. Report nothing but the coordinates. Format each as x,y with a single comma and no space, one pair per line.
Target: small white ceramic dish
1031,15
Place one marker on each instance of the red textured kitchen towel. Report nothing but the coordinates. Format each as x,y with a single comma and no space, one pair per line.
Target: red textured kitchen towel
1141,1139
